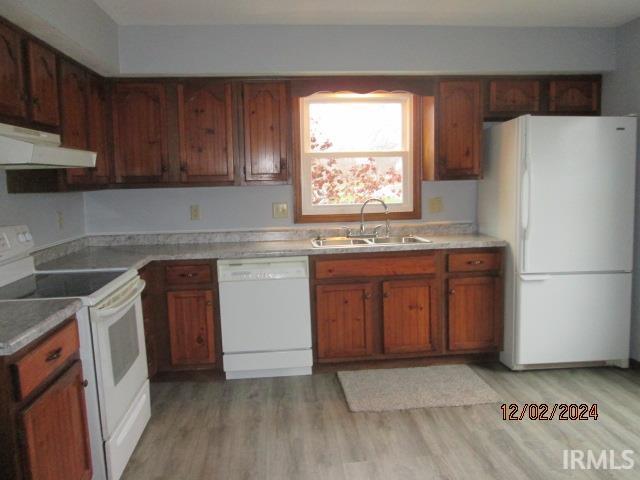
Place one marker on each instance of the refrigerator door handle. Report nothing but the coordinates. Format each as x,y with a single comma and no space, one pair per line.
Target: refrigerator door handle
525,201
535,278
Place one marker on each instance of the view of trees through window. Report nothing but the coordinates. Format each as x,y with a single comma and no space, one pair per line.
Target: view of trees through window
354,149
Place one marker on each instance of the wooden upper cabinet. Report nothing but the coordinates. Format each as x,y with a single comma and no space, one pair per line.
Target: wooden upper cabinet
54,427
475,313
511,97
574,96
74,97
459,129
140,133
191,327
205,121
12,95
410,316
266,131
43,84
344,318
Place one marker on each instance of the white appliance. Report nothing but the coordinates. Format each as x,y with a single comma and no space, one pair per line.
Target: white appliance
561,191
112,348
265,316
23,148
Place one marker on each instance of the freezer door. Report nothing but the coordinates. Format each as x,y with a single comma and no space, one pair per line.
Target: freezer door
573,318
577,194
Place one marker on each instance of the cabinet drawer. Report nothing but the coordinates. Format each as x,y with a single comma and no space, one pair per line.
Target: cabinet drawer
188,274
376,267
39,363
473,262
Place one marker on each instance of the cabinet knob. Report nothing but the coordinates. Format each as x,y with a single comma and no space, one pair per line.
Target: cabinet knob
475,262
452,291
35,101
200,340
85,383
386,295
366,296
54,355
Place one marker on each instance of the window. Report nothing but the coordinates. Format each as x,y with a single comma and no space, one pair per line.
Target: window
354,147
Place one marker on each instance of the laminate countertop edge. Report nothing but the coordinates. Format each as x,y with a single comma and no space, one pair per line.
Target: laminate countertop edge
23,322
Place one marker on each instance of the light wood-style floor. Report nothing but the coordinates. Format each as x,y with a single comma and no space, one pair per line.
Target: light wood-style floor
301,428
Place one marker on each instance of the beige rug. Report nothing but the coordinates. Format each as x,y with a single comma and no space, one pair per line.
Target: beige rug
403,388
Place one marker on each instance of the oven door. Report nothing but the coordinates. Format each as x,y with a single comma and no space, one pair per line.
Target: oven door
119,352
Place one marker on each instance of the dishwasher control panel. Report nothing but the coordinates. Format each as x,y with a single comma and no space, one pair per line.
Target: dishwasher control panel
257,269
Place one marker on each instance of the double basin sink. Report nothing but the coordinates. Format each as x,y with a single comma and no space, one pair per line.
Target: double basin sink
329,242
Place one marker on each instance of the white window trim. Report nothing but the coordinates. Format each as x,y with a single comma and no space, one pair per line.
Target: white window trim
407,204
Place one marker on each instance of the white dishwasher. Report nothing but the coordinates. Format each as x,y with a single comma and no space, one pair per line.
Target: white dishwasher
265,317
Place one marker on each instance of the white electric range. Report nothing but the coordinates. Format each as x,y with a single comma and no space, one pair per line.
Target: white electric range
112,347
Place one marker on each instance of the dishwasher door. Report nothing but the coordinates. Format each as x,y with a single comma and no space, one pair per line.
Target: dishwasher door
265,316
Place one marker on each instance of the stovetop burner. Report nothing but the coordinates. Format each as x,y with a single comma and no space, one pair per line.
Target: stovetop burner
54,285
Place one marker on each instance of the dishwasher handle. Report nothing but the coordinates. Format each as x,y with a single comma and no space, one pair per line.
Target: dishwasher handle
263,269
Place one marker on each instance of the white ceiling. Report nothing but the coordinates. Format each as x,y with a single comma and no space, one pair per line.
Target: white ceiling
516,13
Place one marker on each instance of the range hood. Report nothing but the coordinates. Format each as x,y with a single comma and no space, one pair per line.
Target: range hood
22,149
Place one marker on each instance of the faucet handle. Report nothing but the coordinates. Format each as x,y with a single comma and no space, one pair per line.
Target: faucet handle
347,231
376,230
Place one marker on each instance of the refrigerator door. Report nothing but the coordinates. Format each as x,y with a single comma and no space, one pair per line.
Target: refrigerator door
577,194
573,318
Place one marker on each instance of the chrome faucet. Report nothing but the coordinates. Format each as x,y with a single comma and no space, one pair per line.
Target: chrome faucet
361,232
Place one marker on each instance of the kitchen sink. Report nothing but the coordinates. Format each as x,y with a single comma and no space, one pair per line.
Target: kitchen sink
339,242
329,242
398,240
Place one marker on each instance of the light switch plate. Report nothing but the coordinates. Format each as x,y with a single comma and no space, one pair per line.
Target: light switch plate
195,212
435,205
280,210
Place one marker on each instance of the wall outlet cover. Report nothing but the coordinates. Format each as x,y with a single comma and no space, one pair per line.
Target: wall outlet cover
195,212
436,205
280,210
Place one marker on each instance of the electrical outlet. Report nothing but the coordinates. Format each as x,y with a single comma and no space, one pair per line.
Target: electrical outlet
280,210
60,219
435,205
195,212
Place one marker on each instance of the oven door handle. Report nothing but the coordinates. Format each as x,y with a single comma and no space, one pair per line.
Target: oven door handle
135,292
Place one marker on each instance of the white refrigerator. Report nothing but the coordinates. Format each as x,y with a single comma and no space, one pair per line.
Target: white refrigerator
560,191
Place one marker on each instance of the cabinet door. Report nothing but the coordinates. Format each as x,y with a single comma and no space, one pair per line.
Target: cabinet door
411,320
55,431
574,96
74,98
475,314
12,97
344,320
191,327
459,127
140,136
510,97
266,131
99,130
206,132
43,84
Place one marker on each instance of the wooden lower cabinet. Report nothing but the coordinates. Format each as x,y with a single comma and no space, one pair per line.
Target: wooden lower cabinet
383,307
344,320
191,331
474,313
55,431
411,322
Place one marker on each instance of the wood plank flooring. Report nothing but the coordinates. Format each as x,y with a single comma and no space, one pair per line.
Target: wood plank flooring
301,428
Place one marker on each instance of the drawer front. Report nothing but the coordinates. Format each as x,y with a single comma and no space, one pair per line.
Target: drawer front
376,267
188,274
473,262
39,363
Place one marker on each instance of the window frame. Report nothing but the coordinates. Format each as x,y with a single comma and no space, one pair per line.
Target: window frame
413,136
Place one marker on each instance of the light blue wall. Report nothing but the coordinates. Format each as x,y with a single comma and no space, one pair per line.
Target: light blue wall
40,212
282,50
621,96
